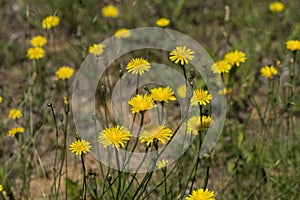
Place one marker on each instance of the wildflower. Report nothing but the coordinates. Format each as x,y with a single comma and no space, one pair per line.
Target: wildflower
194,124
161,133
276,6
15,114
162,22
225,91
96,49
235,58
200,96
1,99
115,136
1,188
110,11
80,146
182,54
12,132
50,21
268,71
141,103
38,41
163,163
163,94
35,53
201,194
181,91
293,45
65,72
221,66
138,66
123,33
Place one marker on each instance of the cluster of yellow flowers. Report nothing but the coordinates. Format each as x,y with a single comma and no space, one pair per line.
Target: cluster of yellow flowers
15,114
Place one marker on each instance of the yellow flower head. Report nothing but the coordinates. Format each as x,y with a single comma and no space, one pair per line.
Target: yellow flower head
38,41
35,53
182,54
161,164
96,49
163,22
276,6
110,11
141,103
200,96
181,91
123,33
225,91
201,194
1,188
138,66
293,45
161,133
65,72
221,66
50,21
163,94
80,146
15,114
268,71
1,99
194,124
12,132
235,58
115,136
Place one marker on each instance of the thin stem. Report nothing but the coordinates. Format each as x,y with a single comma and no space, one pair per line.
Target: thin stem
84,187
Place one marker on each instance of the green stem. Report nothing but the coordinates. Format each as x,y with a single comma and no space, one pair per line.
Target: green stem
84,178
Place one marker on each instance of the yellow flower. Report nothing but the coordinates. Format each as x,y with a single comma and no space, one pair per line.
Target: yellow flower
194,124
15,114
225,91
38,41
1,99
162,22
276,6
201,194
115,136
80,146
163,94
268,71
293,45
35,53
235,58
182,54
161,133
65,72
163,163
1,188
50,21
221,66
200,96
110,11
181,91
12,132
96,49
123,33
141,103
138,66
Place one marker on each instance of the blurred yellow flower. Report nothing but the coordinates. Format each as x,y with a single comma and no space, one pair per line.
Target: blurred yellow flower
161,164
38,41
123,33
181,91
221,66
276,6
115,136
200,96
1,188
15,114
141,103
96,49
12,132
235,58
194,124
293,45
201,194
163,94
65,72
268,71
225,91
182,54
50,21
1,99
138,66
110,11
161,133
162,22
35,53
80,147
